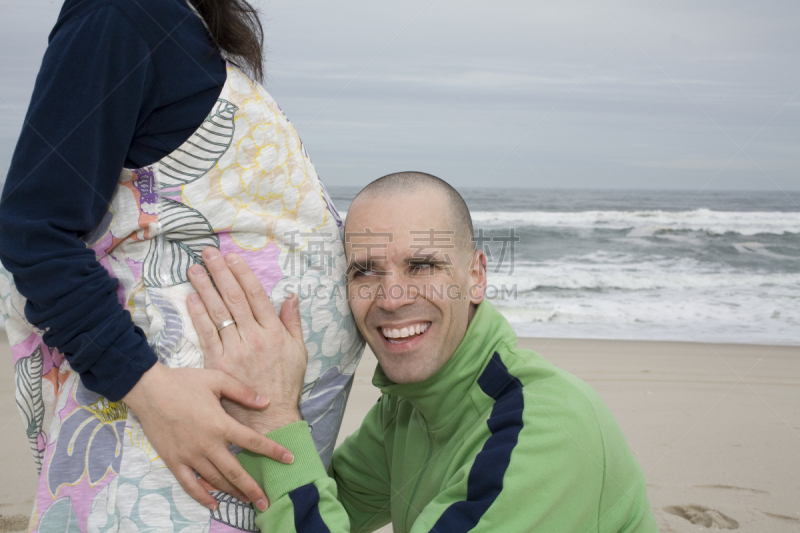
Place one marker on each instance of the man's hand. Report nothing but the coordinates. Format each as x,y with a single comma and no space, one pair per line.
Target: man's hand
261,350
180,412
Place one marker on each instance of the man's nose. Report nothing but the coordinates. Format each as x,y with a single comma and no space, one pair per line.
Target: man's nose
396,292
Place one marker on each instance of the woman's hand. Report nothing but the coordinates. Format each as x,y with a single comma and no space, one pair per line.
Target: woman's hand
261,349
180,412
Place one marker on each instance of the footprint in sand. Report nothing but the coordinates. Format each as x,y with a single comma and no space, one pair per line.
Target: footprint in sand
17,522
703,516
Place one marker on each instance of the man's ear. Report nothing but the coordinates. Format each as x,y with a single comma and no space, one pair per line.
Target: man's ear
477,277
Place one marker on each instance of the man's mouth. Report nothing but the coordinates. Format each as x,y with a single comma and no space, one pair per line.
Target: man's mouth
404,334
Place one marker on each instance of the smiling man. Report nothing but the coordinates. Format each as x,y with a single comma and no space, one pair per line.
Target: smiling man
471,433
414,276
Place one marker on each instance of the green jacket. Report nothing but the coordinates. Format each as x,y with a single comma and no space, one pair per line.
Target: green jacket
498,440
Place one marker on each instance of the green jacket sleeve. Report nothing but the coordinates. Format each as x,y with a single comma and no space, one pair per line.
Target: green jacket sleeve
303,497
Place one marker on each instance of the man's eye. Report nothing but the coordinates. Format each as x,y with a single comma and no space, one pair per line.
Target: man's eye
421,268
357,273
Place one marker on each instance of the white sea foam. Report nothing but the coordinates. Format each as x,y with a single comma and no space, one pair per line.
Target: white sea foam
627,272
751,316
619,295
646,223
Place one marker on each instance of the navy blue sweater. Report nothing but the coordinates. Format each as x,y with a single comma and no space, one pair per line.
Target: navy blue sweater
122,84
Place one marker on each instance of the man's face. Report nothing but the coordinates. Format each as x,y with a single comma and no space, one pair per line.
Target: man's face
410,281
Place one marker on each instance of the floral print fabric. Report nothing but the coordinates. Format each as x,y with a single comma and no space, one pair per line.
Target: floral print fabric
241,183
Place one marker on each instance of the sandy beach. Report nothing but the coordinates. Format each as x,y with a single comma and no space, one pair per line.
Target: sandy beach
716,427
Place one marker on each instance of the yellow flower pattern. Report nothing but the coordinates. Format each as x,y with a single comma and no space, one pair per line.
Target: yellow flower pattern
264,187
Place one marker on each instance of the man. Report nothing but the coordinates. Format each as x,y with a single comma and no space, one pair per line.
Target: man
470,434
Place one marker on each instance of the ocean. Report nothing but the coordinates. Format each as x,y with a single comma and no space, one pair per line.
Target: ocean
711,266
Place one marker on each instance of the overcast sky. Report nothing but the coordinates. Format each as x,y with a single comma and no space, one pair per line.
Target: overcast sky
623,94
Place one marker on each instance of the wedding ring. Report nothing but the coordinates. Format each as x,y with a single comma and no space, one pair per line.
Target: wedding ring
225,324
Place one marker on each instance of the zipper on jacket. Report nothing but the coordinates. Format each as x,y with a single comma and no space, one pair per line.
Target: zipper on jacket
422,472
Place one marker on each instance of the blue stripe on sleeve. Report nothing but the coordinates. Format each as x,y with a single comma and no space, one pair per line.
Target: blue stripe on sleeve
485,479
307,519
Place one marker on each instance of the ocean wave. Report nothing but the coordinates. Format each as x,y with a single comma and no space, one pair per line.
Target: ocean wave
682,274
680,316
760,249
646,223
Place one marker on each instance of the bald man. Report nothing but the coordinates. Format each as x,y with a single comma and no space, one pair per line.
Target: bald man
471,433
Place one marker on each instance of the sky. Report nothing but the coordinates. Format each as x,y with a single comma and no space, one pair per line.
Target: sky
643,94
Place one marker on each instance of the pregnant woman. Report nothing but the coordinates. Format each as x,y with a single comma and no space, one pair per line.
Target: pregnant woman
146,142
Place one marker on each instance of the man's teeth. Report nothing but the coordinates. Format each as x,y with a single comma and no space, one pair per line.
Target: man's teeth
394,333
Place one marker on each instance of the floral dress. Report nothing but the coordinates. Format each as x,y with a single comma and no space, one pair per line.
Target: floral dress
242,183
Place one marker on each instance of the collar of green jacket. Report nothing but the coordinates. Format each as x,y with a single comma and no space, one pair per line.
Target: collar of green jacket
438,397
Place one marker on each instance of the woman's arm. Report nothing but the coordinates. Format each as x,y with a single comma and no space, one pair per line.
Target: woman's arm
82,117
95,87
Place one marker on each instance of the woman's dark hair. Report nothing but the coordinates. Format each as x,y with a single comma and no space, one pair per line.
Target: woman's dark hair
236,30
